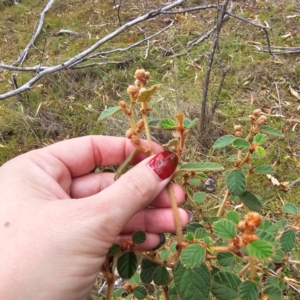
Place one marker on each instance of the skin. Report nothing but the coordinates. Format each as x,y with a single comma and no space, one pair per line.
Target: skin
58,219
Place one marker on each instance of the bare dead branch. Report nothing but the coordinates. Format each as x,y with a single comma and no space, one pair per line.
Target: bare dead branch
148,41
24,53
70,32
80,57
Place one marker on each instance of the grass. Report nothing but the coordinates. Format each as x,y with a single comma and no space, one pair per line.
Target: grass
67,104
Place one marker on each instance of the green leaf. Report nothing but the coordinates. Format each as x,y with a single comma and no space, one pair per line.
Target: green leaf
199,197
140,292
268,226
201,167
148,267
194,181
273,292
260,151
271,131
201,233
135,278
260,249
225,229
189,237
241,144
251,201
187,123
127,265
274,280
278,256
192,283
171,143
232,158
233,216
172,293
192,227
249,290
290,208
146,94
260,138
265,169
161,276
236,182
264,235
225,259
223,141
164,254
114,249
125,164
109,112
281,224
287,240
167,124
153,123
139,237
193,255
225,285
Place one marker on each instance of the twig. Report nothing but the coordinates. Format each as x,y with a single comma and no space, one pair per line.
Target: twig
148,41
292,183
24,53
220,17
80,57
278,97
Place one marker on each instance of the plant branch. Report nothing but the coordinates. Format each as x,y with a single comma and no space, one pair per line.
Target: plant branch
24,53
225,199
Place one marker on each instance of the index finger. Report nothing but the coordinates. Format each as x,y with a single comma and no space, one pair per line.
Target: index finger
81,155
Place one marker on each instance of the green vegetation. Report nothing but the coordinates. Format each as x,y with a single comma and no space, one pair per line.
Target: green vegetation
67,104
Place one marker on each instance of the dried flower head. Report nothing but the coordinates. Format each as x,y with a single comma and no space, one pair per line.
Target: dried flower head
238,133
261,120
238,127
257,112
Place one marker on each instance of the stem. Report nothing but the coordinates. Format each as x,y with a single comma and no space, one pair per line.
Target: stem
147,130
221,208
178,225
220,249
252,268
166,294
242,272
154,259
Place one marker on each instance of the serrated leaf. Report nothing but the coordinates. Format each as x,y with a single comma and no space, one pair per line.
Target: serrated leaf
260,249
194,181
225,229
109,112
249,290
268,226
225,285
201,167
189,237
273,280
199,197
192,283
164,254
265,169
236,182
273,292
260,138
127,264
192,227
147,270
153,123
167,124
139,237
290,208
223,141
188,123
251,201
241,144
140,292
278,256
271,131
171,143
146,94
264,235
281,224
135,278
287,240
161,276
125,164
193,255
114,249
261,152
225,259
233,216
201,233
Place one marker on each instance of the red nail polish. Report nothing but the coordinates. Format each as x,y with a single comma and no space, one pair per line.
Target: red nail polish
164,164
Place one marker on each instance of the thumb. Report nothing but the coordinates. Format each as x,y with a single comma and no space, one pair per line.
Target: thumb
135,189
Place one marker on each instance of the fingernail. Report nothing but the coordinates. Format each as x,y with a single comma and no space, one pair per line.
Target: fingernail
190,216
164,164
162,241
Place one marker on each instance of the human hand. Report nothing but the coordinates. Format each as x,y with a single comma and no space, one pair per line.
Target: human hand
58,220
